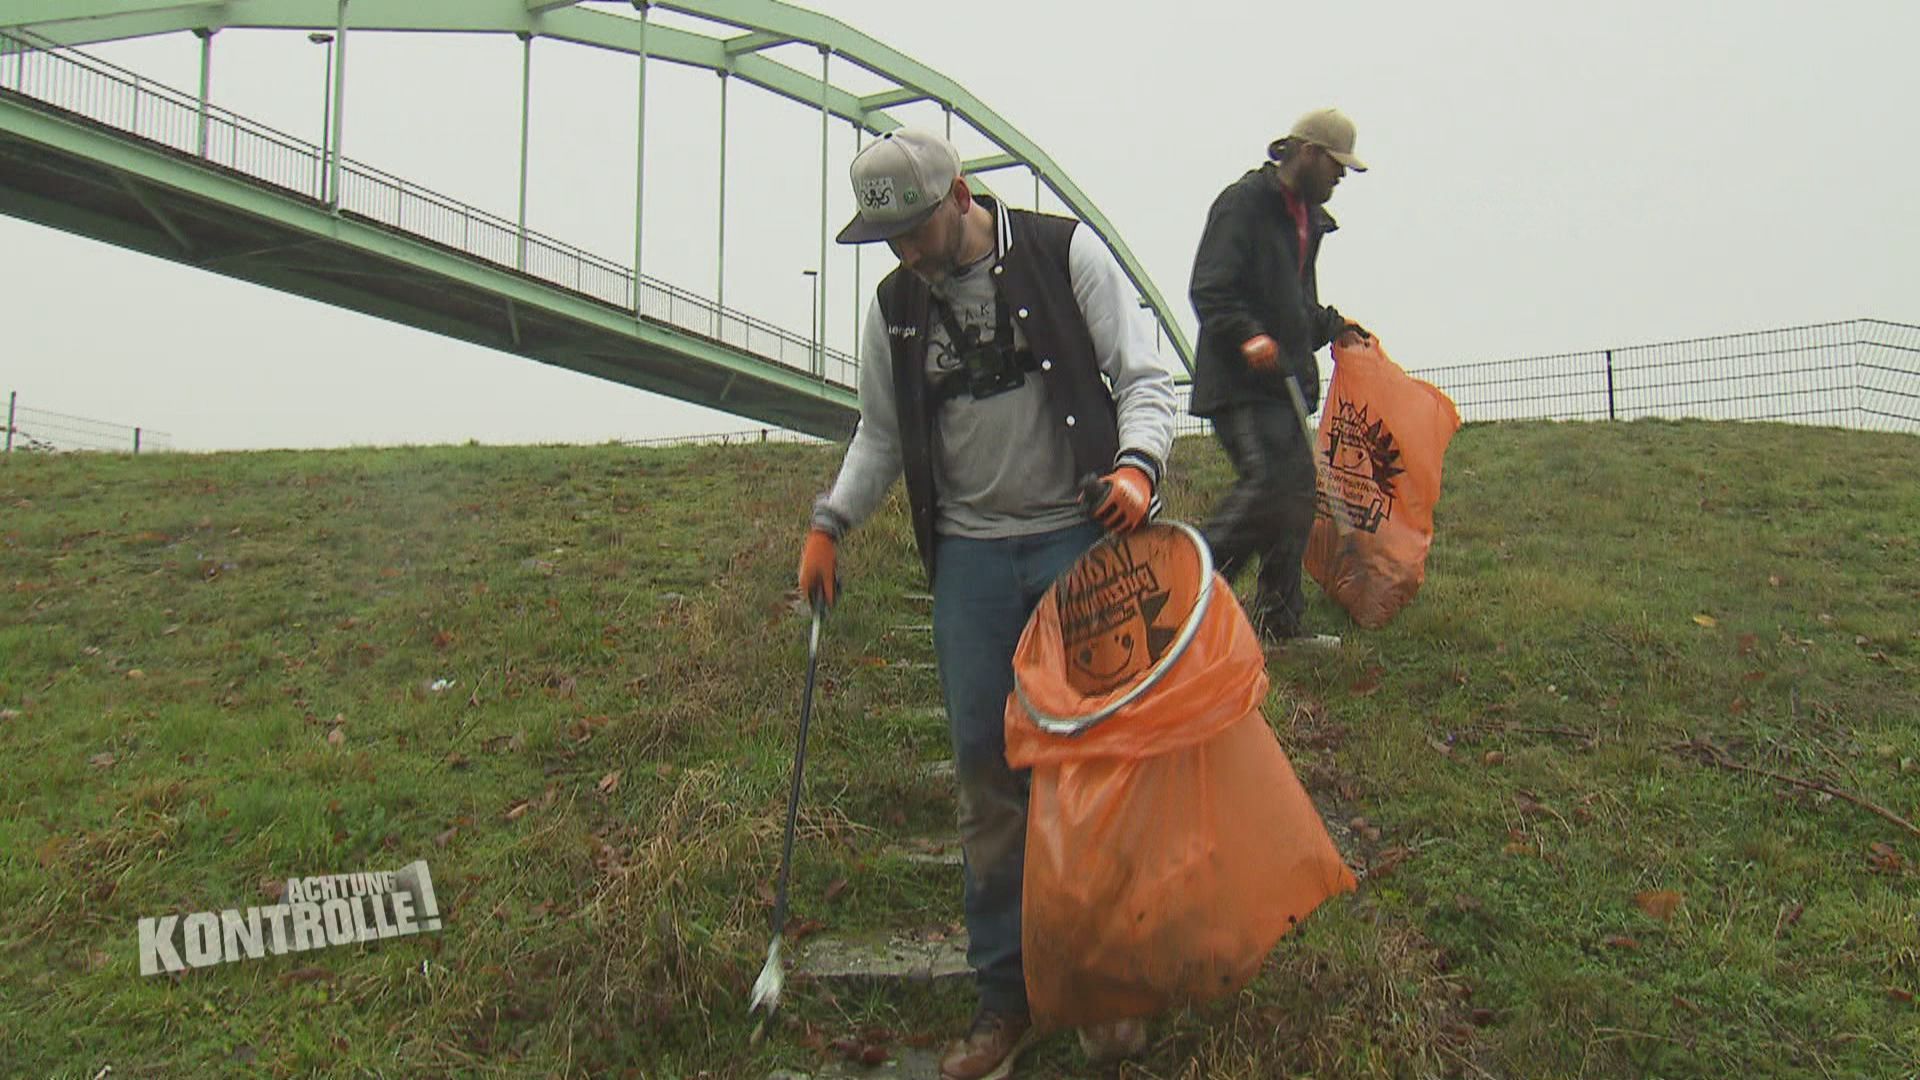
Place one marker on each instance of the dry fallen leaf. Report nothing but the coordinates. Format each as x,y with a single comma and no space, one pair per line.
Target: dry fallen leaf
1439,747
1706,621
835,888
273,888
518,809
609,782
1619,941
1386,860
456,760
1747,643
1369,681
102,760
445,838
1659,903
1494,757
336,737
136,673
306,974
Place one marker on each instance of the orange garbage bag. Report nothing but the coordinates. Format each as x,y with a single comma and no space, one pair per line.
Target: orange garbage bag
1383,438
1169,844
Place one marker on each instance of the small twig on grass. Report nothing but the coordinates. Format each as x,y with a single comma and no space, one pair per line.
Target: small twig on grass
1716,756
1583,736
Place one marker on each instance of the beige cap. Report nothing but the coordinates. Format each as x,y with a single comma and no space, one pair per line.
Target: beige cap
898,180
1329,129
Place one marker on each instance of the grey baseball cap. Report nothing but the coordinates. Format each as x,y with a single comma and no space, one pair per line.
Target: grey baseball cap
898,181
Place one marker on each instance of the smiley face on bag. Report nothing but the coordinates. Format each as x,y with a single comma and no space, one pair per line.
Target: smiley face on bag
1122,606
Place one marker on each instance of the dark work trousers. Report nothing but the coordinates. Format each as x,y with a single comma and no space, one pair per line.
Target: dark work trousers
1269,511
983,593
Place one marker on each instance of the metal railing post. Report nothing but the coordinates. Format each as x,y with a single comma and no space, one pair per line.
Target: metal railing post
720,277
206,80
526,99
136,440
13,401
818,359
640,166
339,106
1611,415
859,136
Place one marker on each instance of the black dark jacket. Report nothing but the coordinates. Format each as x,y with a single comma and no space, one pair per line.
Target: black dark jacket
1246,282
1035,283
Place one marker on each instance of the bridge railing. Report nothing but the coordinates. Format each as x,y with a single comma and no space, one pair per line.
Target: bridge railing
91,89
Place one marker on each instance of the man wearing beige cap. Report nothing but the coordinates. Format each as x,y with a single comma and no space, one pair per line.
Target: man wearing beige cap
1009,372
1261,321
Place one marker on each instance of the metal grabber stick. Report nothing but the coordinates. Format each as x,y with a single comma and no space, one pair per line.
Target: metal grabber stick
1341,526
766,988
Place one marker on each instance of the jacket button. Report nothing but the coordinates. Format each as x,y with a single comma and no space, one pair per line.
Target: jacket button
1022,313
998,270
1046,365
1069,421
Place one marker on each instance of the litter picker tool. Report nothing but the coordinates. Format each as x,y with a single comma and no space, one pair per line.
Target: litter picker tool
1338,514
766,988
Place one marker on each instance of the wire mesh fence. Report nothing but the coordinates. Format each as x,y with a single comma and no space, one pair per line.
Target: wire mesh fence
29,431
1860,373
80,86
752,436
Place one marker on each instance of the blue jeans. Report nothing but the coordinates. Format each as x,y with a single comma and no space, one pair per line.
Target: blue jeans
983,592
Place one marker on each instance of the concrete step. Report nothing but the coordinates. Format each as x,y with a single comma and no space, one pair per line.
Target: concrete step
928,851
914,956
905,1064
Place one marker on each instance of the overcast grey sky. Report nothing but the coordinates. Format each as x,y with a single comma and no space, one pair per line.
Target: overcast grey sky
1545,178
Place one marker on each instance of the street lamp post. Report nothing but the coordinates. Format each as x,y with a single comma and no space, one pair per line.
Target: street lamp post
813,326
326,106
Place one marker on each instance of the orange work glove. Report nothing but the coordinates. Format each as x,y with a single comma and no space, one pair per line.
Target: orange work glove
1119,500
1261,352
817,559
1352,334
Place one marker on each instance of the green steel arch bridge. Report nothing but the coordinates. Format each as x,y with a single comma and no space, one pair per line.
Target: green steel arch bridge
96,150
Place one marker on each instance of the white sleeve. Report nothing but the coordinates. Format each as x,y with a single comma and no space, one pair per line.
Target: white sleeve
1124,344
873,457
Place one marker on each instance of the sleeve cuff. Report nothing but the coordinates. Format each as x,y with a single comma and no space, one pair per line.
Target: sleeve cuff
1143,461
830,521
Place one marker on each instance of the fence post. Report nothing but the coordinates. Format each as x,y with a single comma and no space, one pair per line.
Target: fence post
13,398
1610,411
136,440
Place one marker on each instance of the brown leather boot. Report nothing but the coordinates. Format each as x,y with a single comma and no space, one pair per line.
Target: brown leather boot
989,1049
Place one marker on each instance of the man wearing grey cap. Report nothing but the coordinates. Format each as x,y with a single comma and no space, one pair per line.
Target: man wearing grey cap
1255,289
1006,367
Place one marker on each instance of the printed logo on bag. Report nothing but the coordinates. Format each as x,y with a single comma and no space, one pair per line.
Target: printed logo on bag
1363,461
1122,605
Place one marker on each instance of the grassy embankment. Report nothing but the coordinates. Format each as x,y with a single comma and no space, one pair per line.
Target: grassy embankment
215,673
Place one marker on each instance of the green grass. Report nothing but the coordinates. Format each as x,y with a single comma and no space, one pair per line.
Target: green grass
1526,739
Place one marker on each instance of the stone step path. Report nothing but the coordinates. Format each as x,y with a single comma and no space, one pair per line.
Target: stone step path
906,1064
885,955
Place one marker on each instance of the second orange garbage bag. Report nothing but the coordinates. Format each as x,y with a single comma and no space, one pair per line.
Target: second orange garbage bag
1169,844
1383,438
